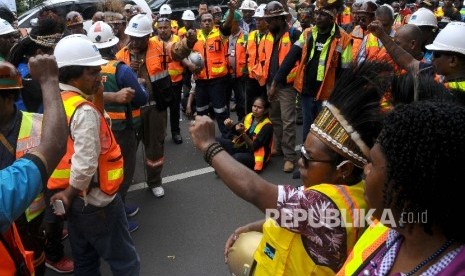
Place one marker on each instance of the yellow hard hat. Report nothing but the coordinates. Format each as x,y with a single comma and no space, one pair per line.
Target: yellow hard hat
240,256
9,76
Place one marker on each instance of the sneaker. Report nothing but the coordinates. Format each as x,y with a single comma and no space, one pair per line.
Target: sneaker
288,166
64,265
158,191
131,210
132,226
64,234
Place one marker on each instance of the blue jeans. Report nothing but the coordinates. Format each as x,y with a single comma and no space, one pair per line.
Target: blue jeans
310,109
101,232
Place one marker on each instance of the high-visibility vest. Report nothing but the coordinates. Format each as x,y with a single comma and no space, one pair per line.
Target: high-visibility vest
182,32
110,161
29,137
153,58
253,41
240,55
117,112
373,238
357,35
265,49
282,252
339,49
214,51
346,16
175,68
259,154
13,254
398,22
457,85
375,50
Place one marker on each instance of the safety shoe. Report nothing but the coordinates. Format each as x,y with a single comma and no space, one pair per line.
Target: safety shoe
158,191
131,210
288,167
132,226
64,265
177,138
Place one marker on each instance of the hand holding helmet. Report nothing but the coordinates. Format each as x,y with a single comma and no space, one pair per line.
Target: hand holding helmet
191,38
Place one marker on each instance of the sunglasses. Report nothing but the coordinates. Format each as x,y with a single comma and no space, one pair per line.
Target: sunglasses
164,19
307,158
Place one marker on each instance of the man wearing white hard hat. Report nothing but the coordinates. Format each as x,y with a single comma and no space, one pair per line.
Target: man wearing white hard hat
123,97
248,22
253,88
8,37
91,171
428,24
448,54
148,58
165,12
188,20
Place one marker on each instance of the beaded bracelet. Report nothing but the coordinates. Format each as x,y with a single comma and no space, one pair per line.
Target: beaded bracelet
212,150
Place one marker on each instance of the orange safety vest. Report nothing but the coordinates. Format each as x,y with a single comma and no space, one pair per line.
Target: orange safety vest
253,41
175,68
214,52
357,35
110,161
281,251
265,49
340,42
367,246
153,58
13,254
240,55
117,112
259,154
376,51
346,16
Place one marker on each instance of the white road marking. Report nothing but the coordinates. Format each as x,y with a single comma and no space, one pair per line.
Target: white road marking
172,178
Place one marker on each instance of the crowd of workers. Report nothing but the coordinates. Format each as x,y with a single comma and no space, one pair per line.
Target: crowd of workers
378,90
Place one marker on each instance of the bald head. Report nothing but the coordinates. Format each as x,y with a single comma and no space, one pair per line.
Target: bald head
410,38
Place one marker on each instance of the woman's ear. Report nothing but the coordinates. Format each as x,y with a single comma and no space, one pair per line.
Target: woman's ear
344,170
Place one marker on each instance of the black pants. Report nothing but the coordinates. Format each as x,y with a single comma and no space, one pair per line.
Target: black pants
175,109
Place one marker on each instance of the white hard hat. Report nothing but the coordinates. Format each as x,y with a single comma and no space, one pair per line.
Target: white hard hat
196,59
139,26
5,27
77,50
260,11
248,5
240,256
188,15
101,34
165,9
450,39
423,17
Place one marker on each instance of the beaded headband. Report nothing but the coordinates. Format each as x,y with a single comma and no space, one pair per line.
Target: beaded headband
47,40
337,133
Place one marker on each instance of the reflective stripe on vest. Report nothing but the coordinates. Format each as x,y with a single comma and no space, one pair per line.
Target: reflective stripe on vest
259,154
117,112
29,137
281,252
7,263
324,52
175,68
372,239
214,51
110,161
458,85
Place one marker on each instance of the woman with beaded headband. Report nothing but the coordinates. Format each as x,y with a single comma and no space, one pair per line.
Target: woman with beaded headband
298,238
412,184
40,41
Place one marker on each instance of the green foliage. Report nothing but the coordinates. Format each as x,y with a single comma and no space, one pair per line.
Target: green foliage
24,5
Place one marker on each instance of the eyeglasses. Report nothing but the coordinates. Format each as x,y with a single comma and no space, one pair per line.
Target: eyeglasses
307,158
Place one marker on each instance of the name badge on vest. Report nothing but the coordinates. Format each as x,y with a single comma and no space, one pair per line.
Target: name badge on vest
269,251
339,48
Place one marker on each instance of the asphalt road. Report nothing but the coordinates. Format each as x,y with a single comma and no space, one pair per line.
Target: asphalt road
184,232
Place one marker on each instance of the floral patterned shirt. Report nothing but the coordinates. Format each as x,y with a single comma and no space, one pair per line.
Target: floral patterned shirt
326,245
